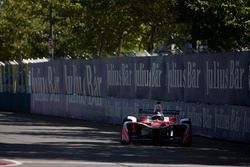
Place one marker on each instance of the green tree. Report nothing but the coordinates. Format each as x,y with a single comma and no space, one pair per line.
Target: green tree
20,28
225,24
91,28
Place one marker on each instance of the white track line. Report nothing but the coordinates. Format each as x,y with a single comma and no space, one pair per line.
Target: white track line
114,163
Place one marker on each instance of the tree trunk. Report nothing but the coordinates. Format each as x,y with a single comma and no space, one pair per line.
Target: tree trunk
151,41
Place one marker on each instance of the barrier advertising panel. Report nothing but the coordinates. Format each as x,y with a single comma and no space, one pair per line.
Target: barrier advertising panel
215,121
209,79
211,89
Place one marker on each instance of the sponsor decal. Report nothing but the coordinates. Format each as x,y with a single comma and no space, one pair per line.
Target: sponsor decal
224,78
179,77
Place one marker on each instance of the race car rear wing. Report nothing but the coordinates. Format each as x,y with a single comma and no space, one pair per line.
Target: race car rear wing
165,112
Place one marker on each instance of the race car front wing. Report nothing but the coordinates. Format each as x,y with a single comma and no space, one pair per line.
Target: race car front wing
138,131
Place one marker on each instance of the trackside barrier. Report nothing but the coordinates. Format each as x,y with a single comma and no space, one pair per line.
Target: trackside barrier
15,102
212,89
216,121
210,79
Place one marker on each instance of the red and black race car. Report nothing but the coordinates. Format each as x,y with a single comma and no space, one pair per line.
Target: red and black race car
157,125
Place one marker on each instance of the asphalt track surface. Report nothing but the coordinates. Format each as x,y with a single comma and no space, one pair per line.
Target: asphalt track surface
43,141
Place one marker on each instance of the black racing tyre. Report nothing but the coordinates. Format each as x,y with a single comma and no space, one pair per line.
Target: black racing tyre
124,142
189,142
156,137
126,119
188,121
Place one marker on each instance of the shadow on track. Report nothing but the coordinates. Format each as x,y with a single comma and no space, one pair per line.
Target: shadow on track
67,139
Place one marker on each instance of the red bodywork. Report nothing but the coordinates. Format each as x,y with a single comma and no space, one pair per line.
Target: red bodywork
156,130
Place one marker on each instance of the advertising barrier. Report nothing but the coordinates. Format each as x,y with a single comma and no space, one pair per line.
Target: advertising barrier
215,121
211,89
208,79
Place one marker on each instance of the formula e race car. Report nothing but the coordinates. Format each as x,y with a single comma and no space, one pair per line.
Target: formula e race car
156,125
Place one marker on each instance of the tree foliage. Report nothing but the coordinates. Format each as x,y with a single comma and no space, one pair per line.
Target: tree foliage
225,24
90,28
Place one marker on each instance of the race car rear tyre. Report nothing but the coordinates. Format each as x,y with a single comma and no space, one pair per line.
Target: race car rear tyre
186,144
188,141
188,121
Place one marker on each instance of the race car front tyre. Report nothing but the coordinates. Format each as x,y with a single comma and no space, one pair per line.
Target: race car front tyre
123,141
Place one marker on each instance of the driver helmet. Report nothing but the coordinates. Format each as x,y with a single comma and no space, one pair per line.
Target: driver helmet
157,115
